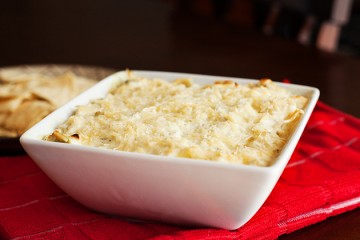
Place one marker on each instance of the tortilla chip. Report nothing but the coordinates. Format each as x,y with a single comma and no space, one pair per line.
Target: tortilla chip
27,114
7,133
9,105
12,90
3,117
56,91
82,83
16,76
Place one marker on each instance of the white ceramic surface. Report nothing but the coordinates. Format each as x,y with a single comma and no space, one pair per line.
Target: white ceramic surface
174,190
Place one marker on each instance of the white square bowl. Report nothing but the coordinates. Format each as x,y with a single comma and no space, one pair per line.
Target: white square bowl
160,188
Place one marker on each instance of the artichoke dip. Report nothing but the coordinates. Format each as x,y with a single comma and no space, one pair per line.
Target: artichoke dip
224,121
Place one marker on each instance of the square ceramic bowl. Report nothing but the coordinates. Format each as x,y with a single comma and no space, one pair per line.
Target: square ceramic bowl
160,188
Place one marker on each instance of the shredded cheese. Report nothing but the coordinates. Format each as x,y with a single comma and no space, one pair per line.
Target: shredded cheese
224,121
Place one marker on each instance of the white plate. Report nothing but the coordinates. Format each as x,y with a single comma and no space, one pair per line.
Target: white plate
169,189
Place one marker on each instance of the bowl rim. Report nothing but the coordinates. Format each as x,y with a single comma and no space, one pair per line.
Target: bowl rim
278,165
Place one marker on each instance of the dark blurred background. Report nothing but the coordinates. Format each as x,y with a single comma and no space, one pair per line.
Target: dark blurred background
239,38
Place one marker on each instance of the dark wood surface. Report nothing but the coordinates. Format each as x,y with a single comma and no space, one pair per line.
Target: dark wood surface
153,35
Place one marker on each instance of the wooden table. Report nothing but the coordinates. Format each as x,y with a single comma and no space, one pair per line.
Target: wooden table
151,35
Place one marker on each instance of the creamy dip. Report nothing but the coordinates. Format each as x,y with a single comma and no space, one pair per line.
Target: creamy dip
224,121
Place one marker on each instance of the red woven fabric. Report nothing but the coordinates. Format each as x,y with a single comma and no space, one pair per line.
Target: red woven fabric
321,180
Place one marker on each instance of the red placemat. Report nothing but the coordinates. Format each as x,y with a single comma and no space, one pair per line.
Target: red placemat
321,180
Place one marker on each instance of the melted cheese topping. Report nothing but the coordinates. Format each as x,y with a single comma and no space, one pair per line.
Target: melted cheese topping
220,122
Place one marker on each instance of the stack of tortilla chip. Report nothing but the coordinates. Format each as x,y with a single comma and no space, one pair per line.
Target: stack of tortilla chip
26,98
